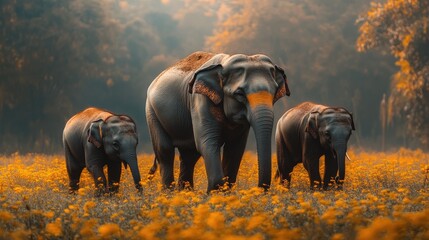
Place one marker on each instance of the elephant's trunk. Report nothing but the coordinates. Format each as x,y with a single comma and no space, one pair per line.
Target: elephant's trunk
340,154
131,160
262,124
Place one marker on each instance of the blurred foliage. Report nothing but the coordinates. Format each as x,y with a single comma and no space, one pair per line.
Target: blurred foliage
403,27
58,57
315,42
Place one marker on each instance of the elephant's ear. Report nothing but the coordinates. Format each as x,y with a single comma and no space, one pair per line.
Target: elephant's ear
208,81
95,133
352,122
283,88
312,125
351,117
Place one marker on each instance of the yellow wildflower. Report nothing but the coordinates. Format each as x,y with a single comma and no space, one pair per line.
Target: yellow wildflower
178,201
49,214
87,228
341,203
200,213
88,206
5,216
378,229
255,221
337,236
54,228
238,223
150,230
275,200
109,230
216,220
330,215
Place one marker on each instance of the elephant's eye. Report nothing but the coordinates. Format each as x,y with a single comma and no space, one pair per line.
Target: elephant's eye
116,146
328,134
240,95
239,92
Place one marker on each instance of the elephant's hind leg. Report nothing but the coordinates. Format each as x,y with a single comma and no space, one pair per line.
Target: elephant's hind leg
285,162
74,169
188,159
163,148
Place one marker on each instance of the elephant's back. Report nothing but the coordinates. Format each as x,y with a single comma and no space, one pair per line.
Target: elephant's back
193,62
170,89
300,111
77,125
291,123
89,115
308,107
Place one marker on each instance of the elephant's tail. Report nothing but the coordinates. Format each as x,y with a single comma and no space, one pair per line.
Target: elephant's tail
153,169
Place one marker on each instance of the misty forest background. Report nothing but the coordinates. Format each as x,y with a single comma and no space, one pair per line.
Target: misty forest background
58,57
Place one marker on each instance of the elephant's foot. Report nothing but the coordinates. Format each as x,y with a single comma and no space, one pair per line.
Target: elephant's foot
223,186
100,191
169,187
186,185
114,188
329,184
316,185
339,183
232,185
285,182
73,187
73,191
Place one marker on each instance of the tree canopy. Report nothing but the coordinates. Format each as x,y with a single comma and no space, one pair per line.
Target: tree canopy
315,42
403,27
58,57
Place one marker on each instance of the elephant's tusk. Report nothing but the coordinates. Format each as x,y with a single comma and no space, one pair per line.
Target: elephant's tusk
348,157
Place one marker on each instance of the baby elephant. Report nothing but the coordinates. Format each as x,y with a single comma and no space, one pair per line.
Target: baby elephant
94,138
308,131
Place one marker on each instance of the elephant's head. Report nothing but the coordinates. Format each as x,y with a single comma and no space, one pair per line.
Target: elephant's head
246,87
117,135
332,127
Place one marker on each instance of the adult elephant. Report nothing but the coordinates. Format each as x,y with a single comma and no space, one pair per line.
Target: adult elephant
206,101
308,131
94,138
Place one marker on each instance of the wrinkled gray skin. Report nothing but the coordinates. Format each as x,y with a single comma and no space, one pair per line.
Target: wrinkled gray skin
94,138
208,101
308,131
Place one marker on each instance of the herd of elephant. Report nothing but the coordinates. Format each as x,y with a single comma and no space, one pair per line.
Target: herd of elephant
204,105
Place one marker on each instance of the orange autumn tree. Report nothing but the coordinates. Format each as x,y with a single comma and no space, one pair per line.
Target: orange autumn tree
403,27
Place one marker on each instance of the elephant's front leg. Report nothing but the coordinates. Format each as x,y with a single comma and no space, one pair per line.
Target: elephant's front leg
114,176
233,151
95,161
311,164
210,151
208,140
99,178
331,169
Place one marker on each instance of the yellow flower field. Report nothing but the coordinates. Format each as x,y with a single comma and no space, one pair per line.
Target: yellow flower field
385,196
